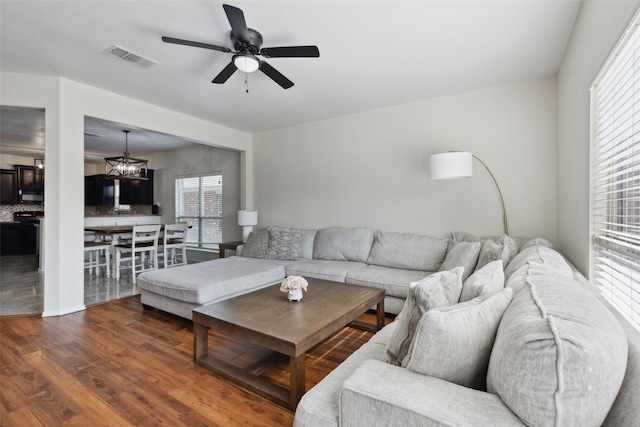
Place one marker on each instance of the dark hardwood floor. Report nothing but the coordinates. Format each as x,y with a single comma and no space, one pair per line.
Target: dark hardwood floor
116,364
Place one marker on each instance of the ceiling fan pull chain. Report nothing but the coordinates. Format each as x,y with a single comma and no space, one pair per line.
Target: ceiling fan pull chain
246,81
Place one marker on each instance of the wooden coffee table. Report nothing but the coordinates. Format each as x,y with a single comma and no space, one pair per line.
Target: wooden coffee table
267,318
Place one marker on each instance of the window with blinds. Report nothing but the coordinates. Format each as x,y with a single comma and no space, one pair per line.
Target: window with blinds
199,203
615,177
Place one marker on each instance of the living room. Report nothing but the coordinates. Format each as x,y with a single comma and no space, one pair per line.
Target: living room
368,168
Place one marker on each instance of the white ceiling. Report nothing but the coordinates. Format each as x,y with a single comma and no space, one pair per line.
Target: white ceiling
373,54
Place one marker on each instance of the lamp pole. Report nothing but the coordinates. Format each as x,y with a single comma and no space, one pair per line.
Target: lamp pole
504,211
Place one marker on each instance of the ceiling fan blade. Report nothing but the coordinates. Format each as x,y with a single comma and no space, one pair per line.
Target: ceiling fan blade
291,52
195,44
275,75
224,75
237,22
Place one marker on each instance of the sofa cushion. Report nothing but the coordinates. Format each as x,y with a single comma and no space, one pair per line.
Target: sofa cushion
343,244
256,245
209,281
454,343
543,259
408,251
462,254
319,407
489,278
437,290
559,356
321,269
395,282
284,244
537,241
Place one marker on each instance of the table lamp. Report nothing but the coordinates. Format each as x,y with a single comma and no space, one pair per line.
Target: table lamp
247,219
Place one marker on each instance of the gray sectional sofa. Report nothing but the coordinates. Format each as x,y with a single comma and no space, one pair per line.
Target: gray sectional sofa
490,331
358,255
552,351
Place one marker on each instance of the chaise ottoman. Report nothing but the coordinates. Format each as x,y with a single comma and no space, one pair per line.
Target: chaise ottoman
179,290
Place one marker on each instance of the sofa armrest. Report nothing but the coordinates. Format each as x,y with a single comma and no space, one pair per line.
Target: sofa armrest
377,393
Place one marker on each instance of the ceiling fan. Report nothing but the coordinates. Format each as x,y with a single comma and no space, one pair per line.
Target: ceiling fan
247,43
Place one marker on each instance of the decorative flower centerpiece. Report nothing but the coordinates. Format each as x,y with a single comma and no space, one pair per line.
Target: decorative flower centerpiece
293,286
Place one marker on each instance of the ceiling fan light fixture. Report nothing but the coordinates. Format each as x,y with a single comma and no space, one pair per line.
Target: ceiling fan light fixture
246,63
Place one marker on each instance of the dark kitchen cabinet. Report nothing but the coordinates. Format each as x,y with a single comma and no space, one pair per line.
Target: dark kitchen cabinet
99,190
8,187
30,178
28,238
137,191
18,238
10,238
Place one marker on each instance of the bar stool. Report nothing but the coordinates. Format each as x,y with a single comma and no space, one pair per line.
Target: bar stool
174,245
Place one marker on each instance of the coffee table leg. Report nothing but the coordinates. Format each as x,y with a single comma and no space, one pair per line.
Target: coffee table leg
380,315
297,385
200,341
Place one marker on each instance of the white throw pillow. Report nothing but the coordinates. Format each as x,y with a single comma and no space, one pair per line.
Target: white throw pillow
437,290
492,251
454,343
489,278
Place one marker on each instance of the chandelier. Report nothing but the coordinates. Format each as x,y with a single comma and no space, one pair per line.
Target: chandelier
125,166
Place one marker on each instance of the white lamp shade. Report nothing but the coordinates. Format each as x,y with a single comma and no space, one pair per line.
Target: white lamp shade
247,218
451,165
246,63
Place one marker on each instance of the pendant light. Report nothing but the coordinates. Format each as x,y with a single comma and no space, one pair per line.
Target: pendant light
125,166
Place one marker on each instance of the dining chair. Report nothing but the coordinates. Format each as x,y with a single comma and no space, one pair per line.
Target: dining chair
144,241
174,245
95,250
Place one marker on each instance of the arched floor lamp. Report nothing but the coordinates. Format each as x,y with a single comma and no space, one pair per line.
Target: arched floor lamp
459,164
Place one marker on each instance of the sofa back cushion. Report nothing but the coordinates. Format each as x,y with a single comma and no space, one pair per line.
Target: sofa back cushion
408,251
560,355
343,244
462,254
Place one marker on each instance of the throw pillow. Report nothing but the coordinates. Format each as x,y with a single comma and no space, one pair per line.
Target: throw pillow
511,244
437,290
284,244
492,251
256,245
454,343
489,278
462,254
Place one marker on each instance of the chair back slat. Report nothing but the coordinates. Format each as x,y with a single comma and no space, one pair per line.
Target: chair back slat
145,235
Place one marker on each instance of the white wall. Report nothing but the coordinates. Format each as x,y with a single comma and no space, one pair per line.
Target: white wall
8,160
66,103
597,28
371,169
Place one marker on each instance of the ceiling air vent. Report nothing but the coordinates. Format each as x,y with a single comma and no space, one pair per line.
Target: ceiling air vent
128,56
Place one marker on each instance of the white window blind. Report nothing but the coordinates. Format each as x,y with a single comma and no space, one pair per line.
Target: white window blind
199,203
615,178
